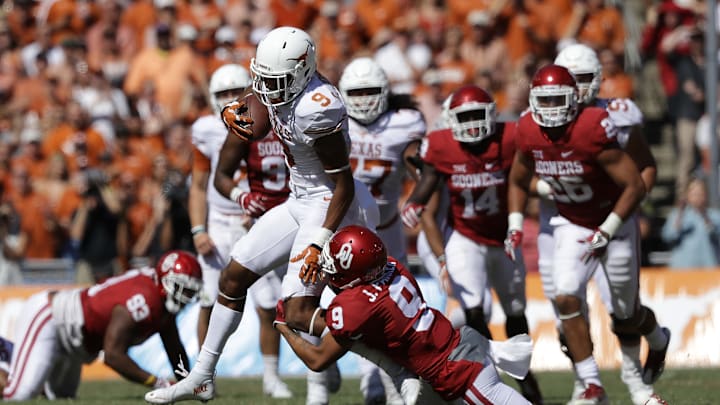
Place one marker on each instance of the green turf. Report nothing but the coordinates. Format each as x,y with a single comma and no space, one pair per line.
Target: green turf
678,387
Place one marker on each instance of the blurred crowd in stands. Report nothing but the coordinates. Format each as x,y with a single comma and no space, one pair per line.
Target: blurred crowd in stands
97,96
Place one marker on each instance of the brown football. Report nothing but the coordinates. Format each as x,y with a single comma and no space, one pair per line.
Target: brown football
259,114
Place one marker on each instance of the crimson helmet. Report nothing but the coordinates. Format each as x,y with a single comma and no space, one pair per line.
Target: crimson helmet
471,114
553,96
353,255
181,278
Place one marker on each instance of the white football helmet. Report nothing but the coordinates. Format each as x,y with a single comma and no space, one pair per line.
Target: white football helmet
365,74
583,62
227,77
283,65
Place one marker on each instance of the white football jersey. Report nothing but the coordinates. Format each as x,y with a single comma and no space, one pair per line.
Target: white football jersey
208,136
625,114
318,111
377,151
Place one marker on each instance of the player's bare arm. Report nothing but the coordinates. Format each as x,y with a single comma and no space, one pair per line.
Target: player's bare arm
173,346
415,205
119,337
519,184
409,153
197,210
621,168
639,150
430,226
316,358
426,186
330,150
233,151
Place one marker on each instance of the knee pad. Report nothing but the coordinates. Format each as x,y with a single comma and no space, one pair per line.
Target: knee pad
475,318
515,325
641,323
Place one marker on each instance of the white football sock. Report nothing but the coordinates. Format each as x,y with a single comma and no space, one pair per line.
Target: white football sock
587,371
223,322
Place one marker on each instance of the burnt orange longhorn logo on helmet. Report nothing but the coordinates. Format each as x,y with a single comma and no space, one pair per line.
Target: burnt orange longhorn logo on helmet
304,56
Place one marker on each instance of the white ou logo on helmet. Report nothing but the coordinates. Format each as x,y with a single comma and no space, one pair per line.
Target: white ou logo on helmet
169,262
344,256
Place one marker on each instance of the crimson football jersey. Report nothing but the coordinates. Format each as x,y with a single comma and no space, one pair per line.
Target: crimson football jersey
391,316
138,292
476,180
584,193
267,172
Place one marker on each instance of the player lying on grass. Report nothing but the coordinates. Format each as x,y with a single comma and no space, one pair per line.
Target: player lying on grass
61,330
379,305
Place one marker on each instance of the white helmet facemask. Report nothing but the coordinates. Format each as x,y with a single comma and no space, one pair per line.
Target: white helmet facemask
365,89
553,105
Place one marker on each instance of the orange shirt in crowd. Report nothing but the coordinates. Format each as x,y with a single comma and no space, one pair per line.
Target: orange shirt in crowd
376,14
458,10
603,29
36,220
617,86
138,17
169,71
32,93
293,13
69,141
66,207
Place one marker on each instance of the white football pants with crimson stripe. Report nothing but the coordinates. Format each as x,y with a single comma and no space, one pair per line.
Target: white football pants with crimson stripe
37,356
488,389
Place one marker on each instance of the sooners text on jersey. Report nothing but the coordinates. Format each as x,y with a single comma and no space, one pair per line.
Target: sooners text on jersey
392,316
584,193
476,177
267,173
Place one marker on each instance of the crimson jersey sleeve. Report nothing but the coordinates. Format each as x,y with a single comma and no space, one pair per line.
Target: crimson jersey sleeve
583,191
267,172
476,178
137,292
391,316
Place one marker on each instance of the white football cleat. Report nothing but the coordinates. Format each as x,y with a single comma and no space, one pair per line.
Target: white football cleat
317,390
656,400
200,388
277,389
410,389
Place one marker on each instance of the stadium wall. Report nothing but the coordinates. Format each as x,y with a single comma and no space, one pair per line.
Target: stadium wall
687,302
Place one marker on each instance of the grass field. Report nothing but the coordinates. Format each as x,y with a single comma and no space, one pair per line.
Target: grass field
678,387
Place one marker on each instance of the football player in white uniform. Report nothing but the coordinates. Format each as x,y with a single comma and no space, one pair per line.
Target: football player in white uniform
385,130
308,115
227,221
582,61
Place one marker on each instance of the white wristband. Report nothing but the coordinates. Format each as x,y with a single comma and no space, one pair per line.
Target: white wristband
543,188
235,194
322,236
515,221
612,223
